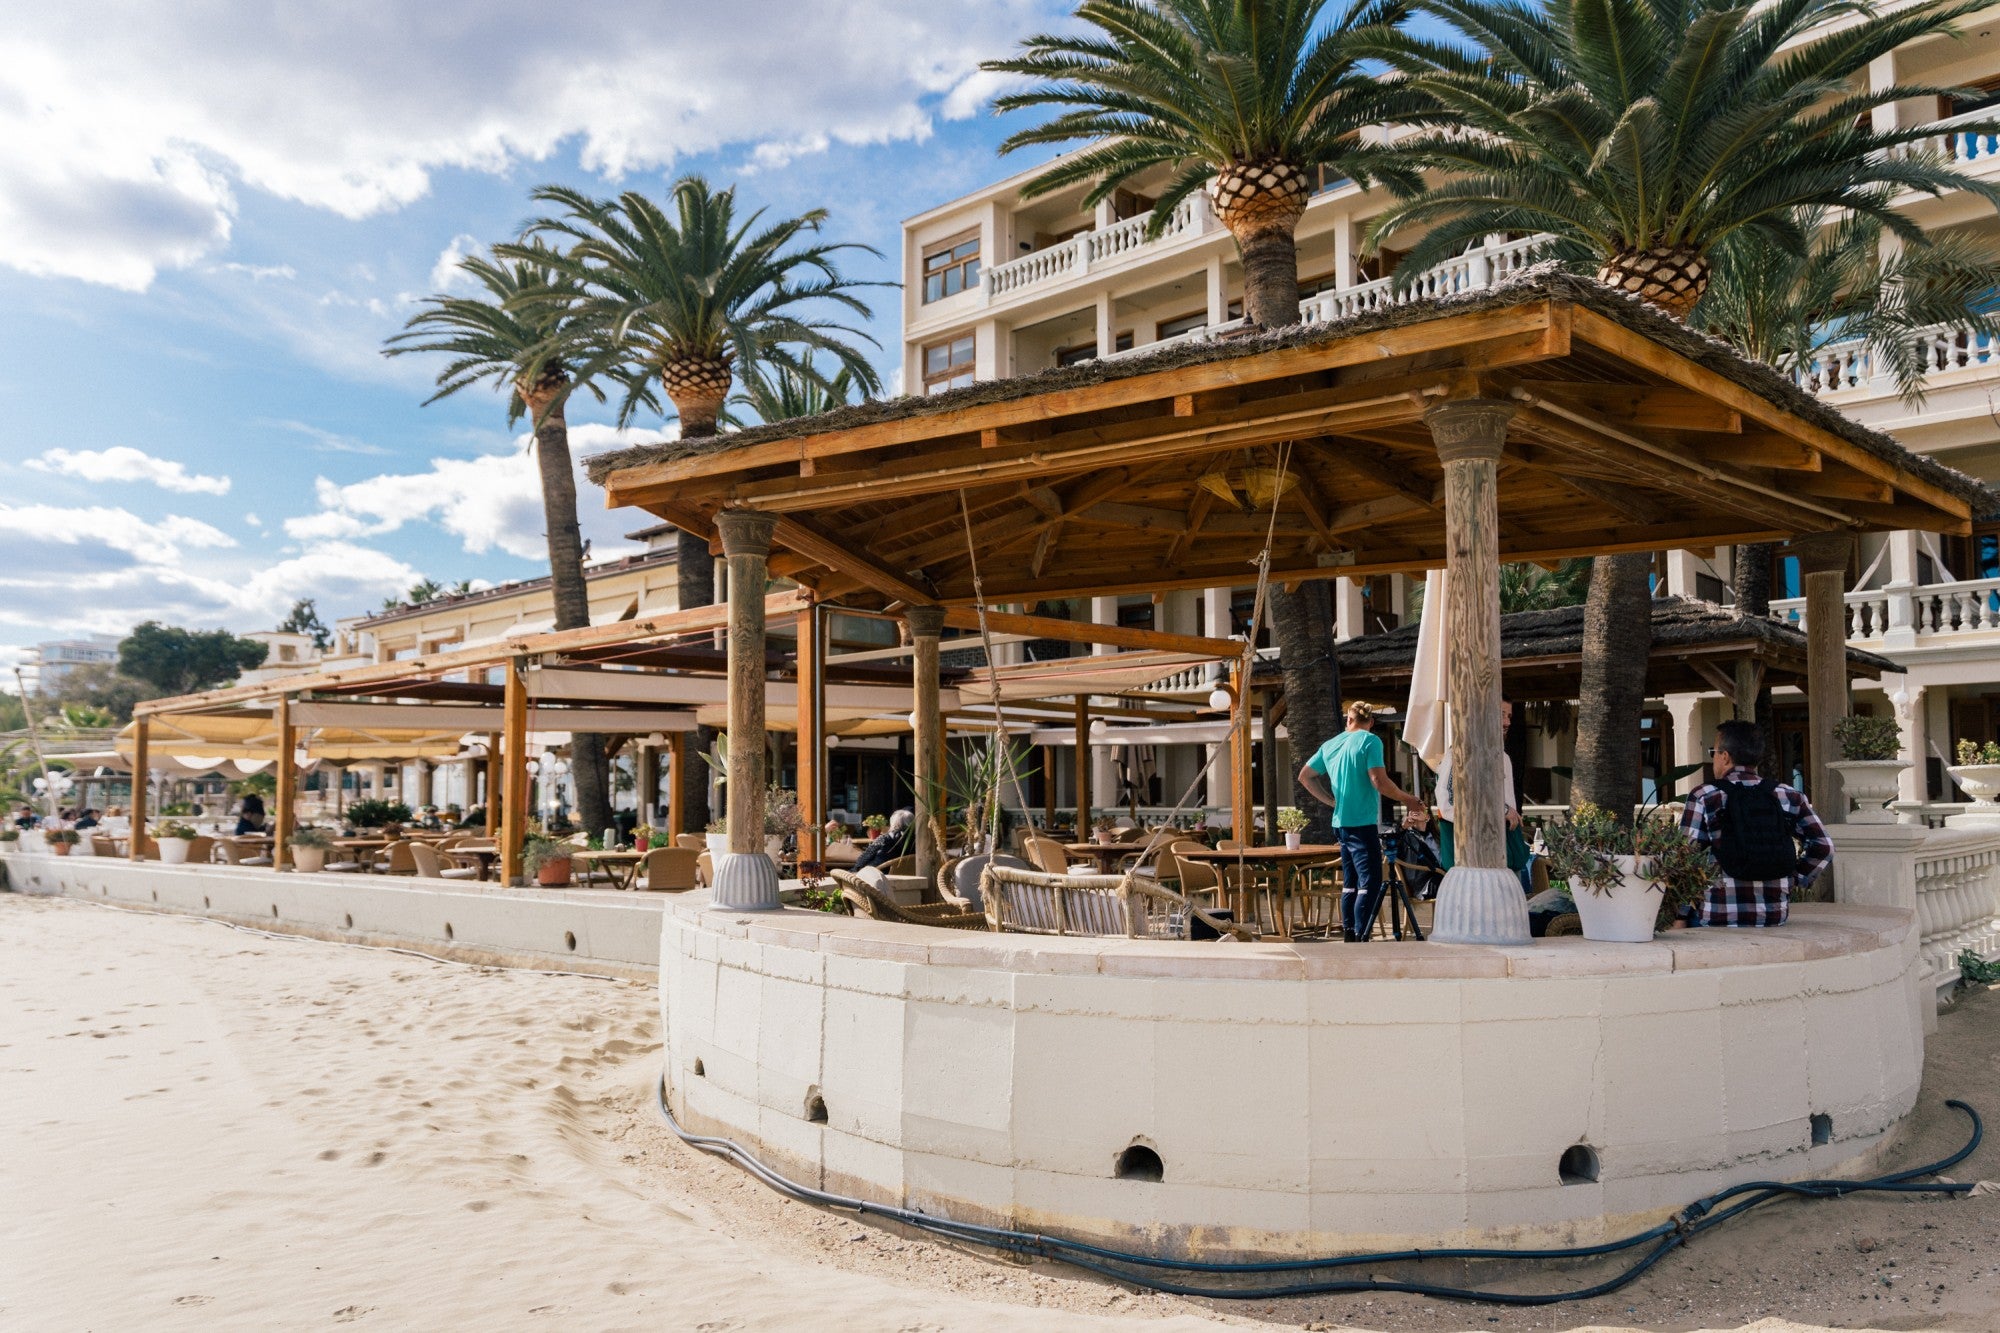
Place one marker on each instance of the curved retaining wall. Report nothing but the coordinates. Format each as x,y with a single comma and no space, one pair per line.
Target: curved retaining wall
1298,1099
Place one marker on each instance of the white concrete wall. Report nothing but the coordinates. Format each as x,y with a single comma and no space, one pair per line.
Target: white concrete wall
605,933
1303,1098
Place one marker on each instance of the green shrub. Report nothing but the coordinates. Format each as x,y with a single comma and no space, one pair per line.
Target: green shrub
374,814
1863,738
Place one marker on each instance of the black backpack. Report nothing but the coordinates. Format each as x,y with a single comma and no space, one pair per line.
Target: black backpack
1755,842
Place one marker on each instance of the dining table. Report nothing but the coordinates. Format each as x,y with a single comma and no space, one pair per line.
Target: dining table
481,854
1108,855
622,865
1284,864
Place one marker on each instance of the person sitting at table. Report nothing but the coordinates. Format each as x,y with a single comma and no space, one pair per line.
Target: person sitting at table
88,819
250,819
25,817
1350,774
896,840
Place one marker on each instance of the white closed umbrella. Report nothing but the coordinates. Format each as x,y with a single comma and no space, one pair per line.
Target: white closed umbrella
1427,720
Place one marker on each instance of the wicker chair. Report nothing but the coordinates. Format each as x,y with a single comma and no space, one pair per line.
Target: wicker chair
1047,855
864,899
102,845
692,841
429,865
398,858
1031,902
671,869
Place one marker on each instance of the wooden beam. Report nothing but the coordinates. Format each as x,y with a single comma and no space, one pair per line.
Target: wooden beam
1761,449
141,766
811,739
1081,774
805,537
1714,675
1649,405
1078,631
514,768
286,769
676,814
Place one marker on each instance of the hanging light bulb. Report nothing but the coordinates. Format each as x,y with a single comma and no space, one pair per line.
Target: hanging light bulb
1220,698
913,721
1098,727
656,740
832,740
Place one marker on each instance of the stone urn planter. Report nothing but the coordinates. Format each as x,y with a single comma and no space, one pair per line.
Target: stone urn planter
309,860
1625,913
1982,783
173,851
1871,784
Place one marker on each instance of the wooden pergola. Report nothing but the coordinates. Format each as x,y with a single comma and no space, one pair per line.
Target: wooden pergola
1541,419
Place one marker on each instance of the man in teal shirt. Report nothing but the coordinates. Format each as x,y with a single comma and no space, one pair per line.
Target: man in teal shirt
1349,774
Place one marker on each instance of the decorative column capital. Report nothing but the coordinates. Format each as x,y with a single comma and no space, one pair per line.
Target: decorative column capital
925,622
1469,429
1822,552
746,531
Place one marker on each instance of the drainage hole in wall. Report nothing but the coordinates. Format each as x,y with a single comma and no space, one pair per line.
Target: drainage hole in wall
815,1108
348,921
1139,1162
569,938
1578,1165
447,930
1822,1128
156,895
274,909
205,902
699,1071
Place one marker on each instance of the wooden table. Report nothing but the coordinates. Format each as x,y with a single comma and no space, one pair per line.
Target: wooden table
483,855
1106,854
628,861
1286,861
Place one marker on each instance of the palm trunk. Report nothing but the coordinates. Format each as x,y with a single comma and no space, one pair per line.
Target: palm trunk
1302,623
570,594
1753,599
1617,639
698,414
1270,278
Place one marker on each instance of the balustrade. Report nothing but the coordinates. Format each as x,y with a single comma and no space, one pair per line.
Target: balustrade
1936,610
1958,900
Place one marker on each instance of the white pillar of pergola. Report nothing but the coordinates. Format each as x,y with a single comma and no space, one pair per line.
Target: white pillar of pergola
1480,900
926,627
745,878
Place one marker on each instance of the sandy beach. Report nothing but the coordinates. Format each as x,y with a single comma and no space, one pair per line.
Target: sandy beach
214,1129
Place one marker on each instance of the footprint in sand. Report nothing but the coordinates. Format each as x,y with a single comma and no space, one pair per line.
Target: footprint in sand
477,1206
375,1158
192,1300
330,1155
347,1314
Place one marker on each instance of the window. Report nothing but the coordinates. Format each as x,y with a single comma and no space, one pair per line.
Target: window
1080,352
951,268
1175,327
948,365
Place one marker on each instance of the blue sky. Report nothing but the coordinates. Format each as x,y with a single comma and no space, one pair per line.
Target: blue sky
211,216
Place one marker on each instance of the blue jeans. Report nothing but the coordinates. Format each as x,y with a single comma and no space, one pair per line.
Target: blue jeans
1360,876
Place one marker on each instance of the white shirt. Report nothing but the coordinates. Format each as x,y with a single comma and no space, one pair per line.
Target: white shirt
1444,802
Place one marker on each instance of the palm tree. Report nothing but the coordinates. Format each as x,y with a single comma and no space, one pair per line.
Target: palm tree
1252,100
1529,587
1645,133
528,350
683,298
780,393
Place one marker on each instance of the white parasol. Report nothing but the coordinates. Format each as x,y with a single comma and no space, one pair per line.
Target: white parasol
1427,719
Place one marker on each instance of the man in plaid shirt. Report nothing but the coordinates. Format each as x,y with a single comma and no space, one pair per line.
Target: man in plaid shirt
1752,899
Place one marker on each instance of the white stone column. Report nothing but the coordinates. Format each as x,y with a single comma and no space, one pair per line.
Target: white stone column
1901,590
745,878
1692,728
1216,623
1107,325
1218,293
1344,251
1681,570
1103,758
1350,609
1909,702
1480,900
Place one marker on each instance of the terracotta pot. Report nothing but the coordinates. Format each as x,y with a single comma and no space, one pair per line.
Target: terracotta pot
62,848
554,873
309,860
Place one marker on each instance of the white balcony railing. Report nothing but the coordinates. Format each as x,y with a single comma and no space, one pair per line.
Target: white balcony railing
1958,900
1957,138
1842,366
1087,250
1911,615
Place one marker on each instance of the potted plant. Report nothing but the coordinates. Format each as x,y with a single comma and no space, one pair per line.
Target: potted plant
642,838
876,826
1870,772
377,814
546,860
1978,772
60,840
782,820
1292,823
10,839
1104,828
309,848
718,837
1627,881
175,838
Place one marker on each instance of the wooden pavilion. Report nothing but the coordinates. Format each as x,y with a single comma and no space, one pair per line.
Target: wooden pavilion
1540,419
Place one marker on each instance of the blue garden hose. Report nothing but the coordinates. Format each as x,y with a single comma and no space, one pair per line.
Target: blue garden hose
1660,1240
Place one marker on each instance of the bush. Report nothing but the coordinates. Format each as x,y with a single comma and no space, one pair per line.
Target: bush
1863,738
307,835
64,836
174,829
539,851
1972,752
374,814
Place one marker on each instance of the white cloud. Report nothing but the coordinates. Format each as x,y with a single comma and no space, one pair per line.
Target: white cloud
446,275
491,502
126,132
330,442
42,538
124,463
259,272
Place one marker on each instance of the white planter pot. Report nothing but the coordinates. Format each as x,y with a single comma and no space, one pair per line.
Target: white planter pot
1103,839
718,843
1871,784
1623,914
309,860
1293,841
774,847
8,848
174,851
1982,783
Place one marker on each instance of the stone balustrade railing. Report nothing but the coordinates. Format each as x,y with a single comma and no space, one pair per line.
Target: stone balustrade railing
1962,138
1958,899
1091,249
1849,364
1910,615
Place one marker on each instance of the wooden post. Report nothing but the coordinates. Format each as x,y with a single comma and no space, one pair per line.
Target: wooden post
1480,900
811,667
1272,772
1241,757
677,756
926,624
493,769
1048,787
141,767
1082,768
287,771
426,782
746,879
1823,570
514,771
